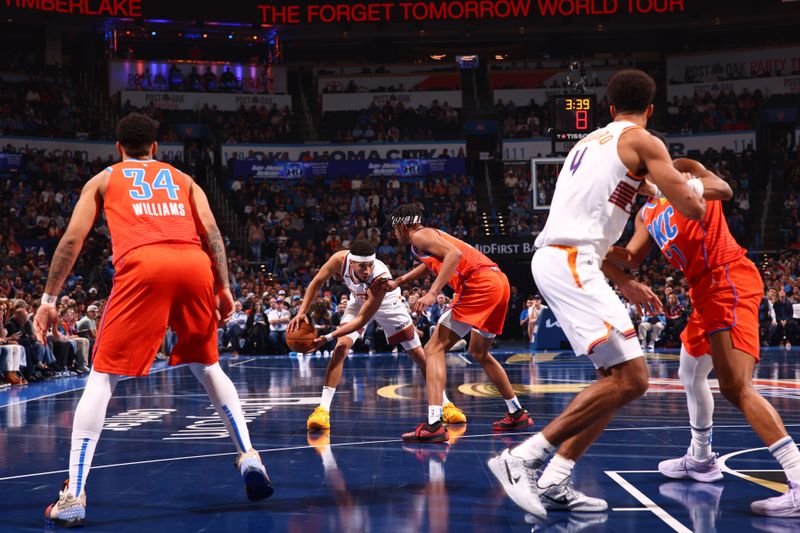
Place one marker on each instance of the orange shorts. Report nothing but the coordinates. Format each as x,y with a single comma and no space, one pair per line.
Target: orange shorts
482,301
156,286
726,299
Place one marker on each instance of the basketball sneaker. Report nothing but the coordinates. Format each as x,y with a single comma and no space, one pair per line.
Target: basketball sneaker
518,478
67,510
687,467
452,414
319,419
255,477
561,523
565,497
319,439
427,433
519,419
786,505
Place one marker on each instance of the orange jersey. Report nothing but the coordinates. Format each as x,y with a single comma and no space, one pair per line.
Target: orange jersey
147,202
694,247
471,261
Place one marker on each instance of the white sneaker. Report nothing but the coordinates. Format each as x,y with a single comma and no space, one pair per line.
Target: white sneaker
519,481
565,497
687,467
395,351
318,353
254,474
67,510
785,506
326,353
651,347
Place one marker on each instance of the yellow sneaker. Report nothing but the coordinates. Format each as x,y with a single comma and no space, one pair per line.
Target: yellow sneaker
453,415
319,419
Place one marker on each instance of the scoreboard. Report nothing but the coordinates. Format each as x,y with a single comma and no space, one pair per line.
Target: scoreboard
573,117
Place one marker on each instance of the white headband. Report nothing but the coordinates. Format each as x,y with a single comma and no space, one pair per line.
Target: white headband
362,258
407,220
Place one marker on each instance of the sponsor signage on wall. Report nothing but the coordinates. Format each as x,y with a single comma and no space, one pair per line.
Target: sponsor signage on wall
195,101
87,150
768,86
298,152
356,101
733,64
402,168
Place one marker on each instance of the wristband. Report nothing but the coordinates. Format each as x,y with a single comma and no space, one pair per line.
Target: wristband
697,186
329,337
49,299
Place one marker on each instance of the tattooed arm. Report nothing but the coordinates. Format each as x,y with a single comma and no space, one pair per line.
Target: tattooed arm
208,231
81,221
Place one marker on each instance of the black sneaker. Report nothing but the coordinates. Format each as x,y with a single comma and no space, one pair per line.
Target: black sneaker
427,433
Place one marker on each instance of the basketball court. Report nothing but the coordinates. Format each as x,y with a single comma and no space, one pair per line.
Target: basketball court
165,462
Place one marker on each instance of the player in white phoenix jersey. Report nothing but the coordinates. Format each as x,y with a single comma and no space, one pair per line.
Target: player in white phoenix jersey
588,213
363,274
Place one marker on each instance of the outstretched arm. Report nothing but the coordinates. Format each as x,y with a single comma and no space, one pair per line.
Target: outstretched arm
331,267
375,296
83,217
714,187
637,249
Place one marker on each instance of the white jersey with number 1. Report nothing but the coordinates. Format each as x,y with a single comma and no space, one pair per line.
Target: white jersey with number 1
594,193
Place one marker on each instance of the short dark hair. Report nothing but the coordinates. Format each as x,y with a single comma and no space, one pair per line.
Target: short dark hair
631,91
406,214
136,132
362,247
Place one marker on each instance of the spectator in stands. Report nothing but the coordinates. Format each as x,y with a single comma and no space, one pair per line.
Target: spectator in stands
279,317
12,354
784,313
768,322
651,326
257,330
676,317
529,316
234,331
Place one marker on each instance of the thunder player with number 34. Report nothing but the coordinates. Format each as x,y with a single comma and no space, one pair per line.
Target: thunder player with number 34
157,217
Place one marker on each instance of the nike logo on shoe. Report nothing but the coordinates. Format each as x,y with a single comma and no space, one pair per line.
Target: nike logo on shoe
562,500
512,479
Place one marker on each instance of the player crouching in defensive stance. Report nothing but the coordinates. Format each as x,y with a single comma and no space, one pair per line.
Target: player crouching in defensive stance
479,305
163,276
722,332
364,275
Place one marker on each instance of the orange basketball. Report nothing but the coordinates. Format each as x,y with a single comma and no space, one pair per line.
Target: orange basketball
302,339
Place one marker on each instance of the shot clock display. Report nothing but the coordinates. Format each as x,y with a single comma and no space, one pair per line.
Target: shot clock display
573,118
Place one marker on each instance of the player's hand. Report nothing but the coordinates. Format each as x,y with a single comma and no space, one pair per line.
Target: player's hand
224,304
647,188
297,320
425,302
319,342
46,317
641,296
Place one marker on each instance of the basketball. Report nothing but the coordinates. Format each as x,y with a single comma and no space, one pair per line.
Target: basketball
302,339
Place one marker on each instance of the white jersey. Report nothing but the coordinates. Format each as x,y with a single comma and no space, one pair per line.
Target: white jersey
594,193
358,289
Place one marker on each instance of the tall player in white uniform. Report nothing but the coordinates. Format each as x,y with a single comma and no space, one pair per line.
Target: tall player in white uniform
363,274
590,207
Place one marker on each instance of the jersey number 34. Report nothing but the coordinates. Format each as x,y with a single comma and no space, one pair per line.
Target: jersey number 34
143,190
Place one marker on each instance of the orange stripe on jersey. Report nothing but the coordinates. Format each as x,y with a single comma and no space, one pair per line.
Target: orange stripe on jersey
633,176
597,342
404,335
572,260
147,202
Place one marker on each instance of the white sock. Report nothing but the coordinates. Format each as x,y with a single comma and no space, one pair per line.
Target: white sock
435,470
693,373
327,397
87,425
558,469
513,405
536,447
434,414
225,399
445,399
787,454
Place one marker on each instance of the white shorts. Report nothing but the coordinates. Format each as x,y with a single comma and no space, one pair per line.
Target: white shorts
392,317
590,313
460,328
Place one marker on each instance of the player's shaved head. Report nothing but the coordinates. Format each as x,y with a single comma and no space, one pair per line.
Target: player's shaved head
137,133
631,91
